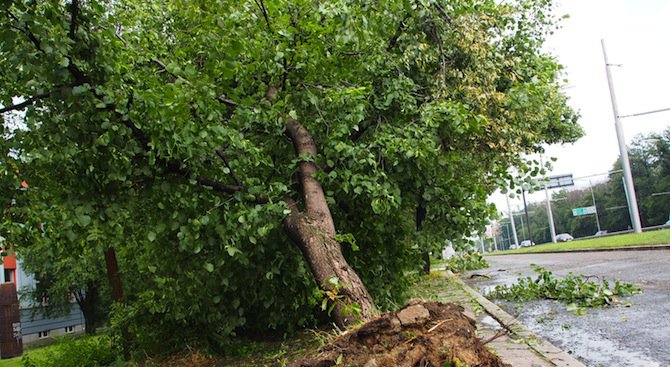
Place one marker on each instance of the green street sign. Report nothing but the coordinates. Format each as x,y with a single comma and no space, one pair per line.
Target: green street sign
583,211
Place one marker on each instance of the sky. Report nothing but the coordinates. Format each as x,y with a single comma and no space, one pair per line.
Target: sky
636,34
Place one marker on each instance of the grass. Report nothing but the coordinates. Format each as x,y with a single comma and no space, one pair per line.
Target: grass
257,354
37,352
251,353
658,237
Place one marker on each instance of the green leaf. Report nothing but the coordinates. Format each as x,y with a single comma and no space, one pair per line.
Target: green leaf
80,89
208,266
84,220
151,236
232,250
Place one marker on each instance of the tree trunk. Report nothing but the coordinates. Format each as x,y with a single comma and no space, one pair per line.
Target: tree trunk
87,301
420,216
113,275
313,231
117,294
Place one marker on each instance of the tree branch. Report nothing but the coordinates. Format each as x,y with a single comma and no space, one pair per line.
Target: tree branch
261,6
74,12
218,186
397,34
222,155
82,78
76,72
27,32
222,99
26,103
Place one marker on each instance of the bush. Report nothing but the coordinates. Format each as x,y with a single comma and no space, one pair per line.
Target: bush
94,351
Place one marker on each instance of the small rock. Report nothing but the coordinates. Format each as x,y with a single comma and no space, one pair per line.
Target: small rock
371,363
413,315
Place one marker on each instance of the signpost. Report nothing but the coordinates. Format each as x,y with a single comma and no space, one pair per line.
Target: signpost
553,183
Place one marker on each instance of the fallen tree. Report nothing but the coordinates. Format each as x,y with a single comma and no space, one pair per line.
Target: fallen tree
250,161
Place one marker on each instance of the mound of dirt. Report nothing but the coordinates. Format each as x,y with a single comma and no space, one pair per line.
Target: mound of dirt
423,334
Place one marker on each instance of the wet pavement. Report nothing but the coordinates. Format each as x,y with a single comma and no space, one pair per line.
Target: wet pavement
638,335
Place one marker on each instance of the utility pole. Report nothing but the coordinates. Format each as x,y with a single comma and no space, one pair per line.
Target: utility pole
525,209
593,198
623,151
511,219
522,226
550,215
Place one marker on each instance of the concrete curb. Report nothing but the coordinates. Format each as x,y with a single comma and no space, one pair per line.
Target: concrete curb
549,352
603,249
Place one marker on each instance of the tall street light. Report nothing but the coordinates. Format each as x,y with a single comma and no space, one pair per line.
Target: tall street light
625,162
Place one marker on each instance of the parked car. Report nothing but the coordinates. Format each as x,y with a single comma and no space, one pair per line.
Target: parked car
601,232
564,237
527,243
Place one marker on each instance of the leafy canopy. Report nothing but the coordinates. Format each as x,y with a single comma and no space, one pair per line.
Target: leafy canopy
158,128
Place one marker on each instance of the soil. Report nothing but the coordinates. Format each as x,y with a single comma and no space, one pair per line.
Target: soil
422,334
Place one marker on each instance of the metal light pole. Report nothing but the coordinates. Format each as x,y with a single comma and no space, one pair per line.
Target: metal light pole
511,218
550,215
625,162
593,198
506,238
525,209
521,228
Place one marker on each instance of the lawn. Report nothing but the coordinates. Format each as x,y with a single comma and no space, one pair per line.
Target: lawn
659,237
33,352
48,349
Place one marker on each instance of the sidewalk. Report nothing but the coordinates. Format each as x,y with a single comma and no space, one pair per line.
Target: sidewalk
510,340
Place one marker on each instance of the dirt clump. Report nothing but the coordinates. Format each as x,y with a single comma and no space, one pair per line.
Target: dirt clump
422,334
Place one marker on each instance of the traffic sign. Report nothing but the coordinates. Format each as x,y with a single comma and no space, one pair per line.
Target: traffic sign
560,181
576,212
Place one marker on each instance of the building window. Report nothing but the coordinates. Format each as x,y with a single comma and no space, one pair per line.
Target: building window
9,275
69,329
43,334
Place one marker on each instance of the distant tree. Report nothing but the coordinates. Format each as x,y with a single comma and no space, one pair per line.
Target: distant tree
650,161
61,280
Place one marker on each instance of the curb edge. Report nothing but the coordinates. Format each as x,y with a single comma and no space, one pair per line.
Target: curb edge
546,350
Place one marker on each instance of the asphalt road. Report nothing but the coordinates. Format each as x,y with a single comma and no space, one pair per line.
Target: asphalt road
638,335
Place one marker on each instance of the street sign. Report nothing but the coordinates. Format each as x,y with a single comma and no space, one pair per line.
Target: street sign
583,211
560,181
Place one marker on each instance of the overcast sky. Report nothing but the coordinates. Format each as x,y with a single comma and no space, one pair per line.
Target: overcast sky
636,34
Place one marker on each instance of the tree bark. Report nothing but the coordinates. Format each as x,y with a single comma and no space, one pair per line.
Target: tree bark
117,294
87,301
113,275
313,231
420,216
